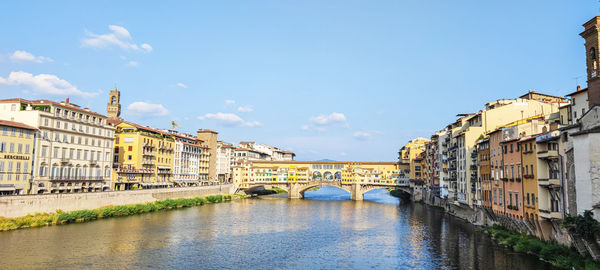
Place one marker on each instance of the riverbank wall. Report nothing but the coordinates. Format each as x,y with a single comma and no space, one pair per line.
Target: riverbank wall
481,216
18,206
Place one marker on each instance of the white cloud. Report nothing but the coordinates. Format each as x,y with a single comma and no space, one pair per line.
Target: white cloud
182,85
305,127
229,119
119,37
46,84
365,134
333,118
24,56
245,109
229,101
146,47
147,109
132,64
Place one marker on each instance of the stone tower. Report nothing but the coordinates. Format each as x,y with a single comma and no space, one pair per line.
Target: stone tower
210,138
592,40
113,108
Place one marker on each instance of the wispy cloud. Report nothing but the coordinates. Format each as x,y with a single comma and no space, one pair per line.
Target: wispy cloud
132,64
147,109
119,37
365,134
46,84
325,120
24,56
182,85
229,119
245,109
229,101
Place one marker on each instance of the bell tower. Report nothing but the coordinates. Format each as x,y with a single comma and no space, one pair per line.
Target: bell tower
592,40
113,108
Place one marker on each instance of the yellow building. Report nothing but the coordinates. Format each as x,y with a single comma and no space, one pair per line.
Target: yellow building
143,157
16,157
529,161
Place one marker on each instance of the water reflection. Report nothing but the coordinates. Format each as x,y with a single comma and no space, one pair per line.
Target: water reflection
324,231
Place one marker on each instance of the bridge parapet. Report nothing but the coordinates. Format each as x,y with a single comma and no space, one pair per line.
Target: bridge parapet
296,189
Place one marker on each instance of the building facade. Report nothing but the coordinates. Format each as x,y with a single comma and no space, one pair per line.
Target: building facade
73,149
16,157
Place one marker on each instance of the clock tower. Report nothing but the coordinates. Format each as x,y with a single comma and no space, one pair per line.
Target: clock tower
592,40
113,108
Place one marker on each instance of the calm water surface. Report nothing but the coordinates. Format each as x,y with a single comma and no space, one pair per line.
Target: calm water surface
324,231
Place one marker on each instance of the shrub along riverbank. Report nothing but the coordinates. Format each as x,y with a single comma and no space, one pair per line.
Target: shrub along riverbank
60,217
558,255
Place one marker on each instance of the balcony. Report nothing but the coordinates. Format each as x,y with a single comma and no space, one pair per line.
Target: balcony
548,154
148,153
64,160
473,167
93,161
548,182
547,214
147,162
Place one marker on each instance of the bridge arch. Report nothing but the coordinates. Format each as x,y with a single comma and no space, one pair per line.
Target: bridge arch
312,185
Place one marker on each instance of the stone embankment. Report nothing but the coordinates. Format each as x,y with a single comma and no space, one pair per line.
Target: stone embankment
480,216
18,206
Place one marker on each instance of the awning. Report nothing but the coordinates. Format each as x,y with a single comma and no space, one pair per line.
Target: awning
7,188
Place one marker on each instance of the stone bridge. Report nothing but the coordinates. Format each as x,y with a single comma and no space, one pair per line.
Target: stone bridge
296,190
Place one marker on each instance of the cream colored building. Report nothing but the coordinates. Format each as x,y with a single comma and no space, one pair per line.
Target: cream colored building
224,157
73,148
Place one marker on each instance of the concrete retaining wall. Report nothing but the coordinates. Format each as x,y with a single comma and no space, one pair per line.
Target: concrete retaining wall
17,206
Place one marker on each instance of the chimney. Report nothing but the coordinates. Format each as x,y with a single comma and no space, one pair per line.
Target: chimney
67,101
578,88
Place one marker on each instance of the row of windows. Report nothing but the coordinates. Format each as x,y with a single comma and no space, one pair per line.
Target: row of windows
18,165
6,131
72,153
73,139
11,148
78,128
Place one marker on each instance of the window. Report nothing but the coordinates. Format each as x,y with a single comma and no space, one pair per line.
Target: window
130,148
12,148
12,132
4,131
593,53
129,157
2,147
27,149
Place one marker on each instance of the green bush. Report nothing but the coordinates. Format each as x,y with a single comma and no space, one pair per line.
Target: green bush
531,245
61,217
551,251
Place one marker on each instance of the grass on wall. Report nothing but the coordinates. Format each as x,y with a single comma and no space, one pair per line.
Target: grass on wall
60,217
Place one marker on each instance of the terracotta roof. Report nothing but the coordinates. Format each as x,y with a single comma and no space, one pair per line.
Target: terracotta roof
45,101
208,130
16,124
577,92
67,105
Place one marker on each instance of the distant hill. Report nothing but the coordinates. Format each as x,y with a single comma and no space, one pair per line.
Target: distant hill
325,160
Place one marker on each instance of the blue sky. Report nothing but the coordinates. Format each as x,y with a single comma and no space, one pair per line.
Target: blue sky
342,80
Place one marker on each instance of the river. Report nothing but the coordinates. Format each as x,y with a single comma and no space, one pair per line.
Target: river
324,231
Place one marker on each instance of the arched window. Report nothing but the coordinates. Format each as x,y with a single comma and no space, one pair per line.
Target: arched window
593,53
113,100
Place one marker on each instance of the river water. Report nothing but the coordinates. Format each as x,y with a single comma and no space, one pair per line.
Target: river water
324,231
